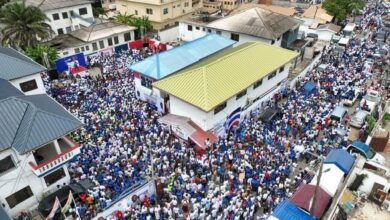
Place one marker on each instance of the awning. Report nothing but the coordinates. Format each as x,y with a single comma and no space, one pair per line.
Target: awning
341,158
331,178
186,129
3,214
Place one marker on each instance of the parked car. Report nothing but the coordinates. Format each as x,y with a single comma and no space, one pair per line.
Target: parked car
358,119
351,96
366,151
370,101
339,114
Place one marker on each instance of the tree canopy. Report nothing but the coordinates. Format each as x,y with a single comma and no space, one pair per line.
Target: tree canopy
341,8
141,23
37,53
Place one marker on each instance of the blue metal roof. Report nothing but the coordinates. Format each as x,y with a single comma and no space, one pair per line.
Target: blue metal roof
165,63
341,158
3,214
286,210
358,144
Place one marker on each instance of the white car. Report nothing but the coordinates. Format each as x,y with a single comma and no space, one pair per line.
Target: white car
370,101
358,119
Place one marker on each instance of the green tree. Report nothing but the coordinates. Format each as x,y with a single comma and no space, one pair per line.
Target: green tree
124,18
38,52
2,2
355,6
142,24
24,25
341,8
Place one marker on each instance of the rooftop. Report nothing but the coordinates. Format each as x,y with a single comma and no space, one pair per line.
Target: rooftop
287,11
257,22
330,26
165,63
64,41
317,12
216,79
14,64
287,210
47,5
28,122
101,30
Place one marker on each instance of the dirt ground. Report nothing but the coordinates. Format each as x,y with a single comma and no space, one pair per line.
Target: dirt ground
369,211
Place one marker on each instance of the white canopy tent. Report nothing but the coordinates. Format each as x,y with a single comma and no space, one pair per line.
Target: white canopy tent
331,178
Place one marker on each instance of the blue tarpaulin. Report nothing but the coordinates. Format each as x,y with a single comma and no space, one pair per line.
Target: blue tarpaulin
358,144
165,63
121,47
309,87
341,158
286,210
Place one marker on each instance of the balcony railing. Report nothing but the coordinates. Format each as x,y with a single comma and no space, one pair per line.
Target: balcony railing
57,160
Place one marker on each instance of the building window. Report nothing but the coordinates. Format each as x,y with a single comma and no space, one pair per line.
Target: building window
219,32
65,15
65,53
60,31
203,29
272,75
197,28
127,36
87,48
28,86
273,41
19,196
109,41
76,50
71,13
149,11
56,17
82,49
6,164
257,84
241,94
235,37
279,39
281,69
54,176
116,40
165,11
83,11
189,27
209,30
186,4
136,12
219,108
94,46
101,44
68,29
146,82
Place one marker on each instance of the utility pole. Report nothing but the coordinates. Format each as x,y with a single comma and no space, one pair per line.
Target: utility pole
313,204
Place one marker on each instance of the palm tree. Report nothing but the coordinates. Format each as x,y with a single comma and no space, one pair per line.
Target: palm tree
124,18
24,25
355,6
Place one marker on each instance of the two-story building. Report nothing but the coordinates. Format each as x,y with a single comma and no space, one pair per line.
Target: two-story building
65,15
21,71
34,147
161,13
167,63
250,25
242,77
98,38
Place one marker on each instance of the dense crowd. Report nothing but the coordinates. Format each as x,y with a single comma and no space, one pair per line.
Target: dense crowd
246,173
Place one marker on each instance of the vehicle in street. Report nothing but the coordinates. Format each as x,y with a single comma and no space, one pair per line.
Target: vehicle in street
366,151
370,101
358,119
339,113
351,96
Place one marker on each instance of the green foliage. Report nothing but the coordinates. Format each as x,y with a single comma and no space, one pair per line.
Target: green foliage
141,23
37,54
341,8
97,11
371,123
386,118
23,25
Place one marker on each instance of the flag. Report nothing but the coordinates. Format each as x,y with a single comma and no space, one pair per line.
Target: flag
66,207
233,118
53,211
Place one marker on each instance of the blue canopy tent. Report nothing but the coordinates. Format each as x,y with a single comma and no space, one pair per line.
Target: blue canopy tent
286,210
341,158
309,87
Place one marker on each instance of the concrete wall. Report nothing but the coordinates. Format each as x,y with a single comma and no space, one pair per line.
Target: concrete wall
38,80
324,35
169,35
69,22
182,108
22,176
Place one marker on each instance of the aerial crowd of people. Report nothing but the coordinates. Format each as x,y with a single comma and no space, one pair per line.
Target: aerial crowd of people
244,175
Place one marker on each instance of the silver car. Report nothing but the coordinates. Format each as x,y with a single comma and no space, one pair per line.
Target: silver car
358,119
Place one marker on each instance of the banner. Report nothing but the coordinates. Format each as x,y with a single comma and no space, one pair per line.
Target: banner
66,207
74,61
54,209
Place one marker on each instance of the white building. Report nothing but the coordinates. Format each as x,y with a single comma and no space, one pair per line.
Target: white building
102,38
34,148
250,25
66,15
326,32
241,77
21,71
167,63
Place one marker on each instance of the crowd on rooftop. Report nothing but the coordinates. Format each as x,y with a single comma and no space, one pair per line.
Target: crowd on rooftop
246,173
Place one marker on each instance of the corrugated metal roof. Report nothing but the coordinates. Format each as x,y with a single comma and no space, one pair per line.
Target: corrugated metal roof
304,195
165,63
286,210
257,22
100,31
8,90
216,79
359,144
14,65
28,122
341,158
56,4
